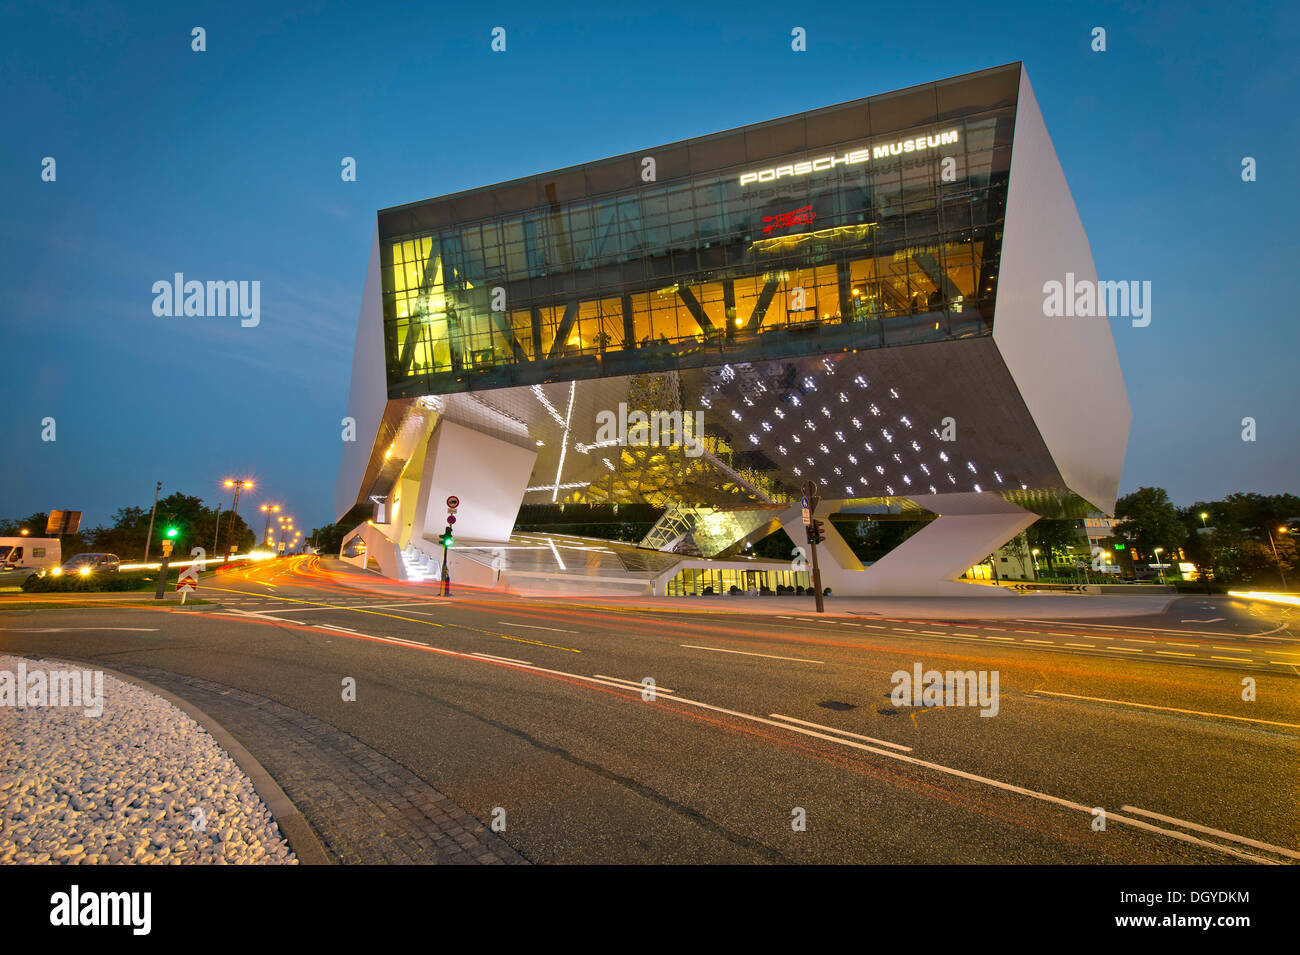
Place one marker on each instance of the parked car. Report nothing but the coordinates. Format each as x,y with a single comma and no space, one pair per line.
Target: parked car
90,564
16,575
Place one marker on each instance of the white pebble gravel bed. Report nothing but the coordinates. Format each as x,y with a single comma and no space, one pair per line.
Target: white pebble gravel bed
124,787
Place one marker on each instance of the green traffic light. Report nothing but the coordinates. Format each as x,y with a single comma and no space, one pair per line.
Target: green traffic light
172,532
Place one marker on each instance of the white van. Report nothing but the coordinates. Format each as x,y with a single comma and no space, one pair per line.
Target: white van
21,557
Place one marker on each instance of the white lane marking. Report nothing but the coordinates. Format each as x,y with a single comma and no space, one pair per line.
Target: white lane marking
307,609
558,559
1116,626
1174,653
1233,659
1211,620
1045,797
635,684
352,607
260,616
330,626
1048,642
1125,649
832,729
511,623
1255,843
493,656
691,646
1007,639
1090,646
70,629
1171,709
997,784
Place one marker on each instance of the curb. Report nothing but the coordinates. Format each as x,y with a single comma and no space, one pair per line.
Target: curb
301,837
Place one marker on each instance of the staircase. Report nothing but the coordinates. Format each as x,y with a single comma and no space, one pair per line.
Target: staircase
676,523
419,566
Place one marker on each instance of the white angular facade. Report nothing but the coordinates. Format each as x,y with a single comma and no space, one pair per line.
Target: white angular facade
872,317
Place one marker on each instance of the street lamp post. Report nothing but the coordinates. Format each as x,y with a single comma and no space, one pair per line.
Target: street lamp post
239,486
268,510
1280,530
1159,563
149,537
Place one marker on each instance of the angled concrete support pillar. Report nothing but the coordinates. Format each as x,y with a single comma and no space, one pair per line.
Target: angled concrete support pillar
969,527
487,473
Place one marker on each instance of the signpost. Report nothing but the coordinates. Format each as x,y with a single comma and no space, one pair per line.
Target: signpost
810,501
453,502
62,522
187,581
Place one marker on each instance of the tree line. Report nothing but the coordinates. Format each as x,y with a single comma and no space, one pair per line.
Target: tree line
196,526
1242,539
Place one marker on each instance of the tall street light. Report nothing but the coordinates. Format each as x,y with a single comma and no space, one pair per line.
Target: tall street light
268,510
149,536
1280,530
238,485
1160,566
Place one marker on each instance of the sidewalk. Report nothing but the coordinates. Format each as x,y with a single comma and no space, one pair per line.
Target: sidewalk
1032,606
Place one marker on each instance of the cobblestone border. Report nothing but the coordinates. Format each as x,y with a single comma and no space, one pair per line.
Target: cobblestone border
354,803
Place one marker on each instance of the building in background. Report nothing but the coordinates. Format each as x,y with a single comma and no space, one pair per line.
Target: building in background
854,295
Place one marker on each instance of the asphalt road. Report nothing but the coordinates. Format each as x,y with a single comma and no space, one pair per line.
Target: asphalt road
540,708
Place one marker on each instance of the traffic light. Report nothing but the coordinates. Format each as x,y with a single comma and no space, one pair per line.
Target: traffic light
815,532
172,532
446,539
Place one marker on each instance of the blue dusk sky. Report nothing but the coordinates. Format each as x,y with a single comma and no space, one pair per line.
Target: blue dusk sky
225,165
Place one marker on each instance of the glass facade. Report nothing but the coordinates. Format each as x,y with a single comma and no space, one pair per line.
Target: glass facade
873,223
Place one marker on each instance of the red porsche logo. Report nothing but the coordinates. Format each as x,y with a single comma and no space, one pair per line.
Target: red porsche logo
802,216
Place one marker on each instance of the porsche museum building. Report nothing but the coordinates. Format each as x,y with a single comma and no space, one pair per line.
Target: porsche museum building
851,295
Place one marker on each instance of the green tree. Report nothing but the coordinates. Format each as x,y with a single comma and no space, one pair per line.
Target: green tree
1053,539
1149,519
34,525
329,539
